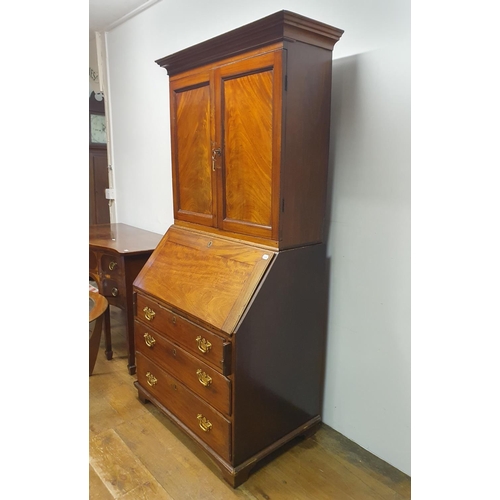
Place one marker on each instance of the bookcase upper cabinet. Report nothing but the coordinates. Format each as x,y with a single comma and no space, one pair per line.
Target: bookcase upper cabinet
250,129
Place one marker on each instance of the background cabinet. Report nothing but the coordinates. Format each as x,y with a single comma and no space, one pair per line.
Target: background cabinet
230,308
98,163
117,252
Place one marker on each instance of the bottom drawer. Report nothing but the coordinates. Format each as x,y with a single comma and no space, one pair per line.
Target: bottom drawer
207,423
111,288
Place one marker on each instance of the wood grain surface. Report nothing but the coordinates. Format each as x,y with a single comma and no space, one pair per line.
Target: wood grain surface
248,120
208,278
191,152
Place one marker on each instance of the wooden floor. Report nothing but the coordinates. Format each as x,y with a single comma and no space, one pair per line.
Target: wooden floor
137,453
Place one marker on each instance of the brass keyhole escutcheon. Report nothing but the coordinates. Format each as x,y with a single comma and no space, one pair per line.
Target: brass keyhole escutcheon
209,244
216,153
149,339
174,352
203,378
174,320
149,314
203,344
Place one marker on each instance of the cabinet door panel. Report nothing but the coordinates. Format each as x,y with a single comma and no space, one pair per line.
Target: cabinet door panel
248,117
249,121
191,150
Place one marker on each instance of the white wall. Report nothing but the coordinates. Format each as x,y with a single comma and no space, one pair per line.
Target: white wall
93,67
367,394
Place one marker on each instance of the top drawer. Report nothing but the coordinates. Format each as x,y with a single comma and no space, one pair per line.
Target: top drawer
111,264
205,344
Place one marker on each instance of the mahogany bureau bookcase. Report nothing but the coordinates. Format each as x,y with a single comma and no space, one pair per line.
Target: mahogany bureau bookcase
230,309
116,254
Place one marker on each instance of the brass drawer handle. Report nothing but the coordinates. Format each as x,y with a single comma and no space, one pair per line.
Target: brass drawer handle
204,379
204,423
151,379
114,292
203,344
112,265
149,339
149,314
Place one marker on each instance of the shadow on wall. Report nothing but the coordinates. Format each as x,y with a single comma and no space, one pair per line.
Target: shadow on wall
344,91
344,78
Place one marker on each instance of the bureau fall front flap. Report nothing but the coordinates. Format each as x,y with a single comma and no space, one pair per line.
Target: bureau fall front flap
206,277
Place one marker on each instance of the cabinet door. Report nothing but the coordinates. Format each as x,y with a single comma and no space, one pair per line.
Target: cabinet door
248,128
193,179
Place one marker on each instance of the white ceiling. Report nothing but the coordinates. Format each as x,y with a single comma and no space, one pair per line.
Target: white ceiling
104,15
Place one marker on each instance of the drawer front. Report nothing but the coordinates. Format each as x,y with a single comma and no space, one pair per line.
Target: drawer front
112,288
202,379
209,347
111,265
207,423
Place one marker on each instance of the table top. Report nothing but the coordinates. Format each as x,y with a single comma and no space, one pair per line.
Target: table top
97,305
123,238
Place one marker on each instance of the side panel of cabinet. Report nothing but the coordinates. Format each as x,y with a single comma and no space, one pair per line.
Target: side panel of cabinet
191,129
279,352
306,146
248,129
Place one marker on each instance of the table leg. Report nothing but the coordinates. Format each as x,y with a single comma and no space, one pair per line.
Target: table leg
130,340
107,334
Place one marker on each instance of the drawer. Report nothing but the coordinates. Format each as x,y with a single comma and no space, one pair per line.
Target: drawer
190,370
203,420
209,347
111,265
112,288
